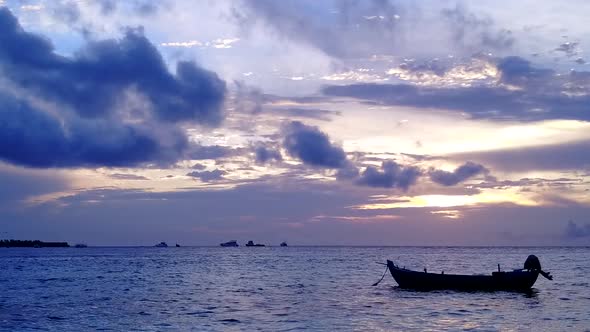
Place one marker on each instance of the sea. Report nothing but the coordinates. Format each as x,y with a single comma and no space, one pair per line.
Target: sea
282,289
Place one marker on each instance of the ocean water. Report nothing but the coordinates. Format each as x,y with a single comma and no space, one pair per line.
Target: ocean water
281,289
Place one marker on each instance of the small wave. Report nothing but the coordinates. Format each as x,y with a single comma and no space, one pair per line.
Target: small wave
230,320
203,312
295,286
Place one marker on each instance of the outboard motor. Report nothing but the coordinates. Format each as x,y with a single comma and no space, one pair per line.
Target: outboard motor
532,263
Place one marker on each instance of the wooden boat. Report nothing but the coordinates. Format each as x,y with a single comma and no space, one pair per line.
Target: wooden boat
517,280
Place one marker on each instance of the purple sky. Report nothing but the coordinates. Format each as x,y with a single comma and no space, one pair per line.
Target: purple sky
331,122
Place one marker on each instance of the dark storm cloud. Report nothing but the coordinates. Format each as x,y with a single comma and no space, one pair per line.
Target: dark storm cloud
85,125
542,94
265,154
565,156
94,80
460,174
312,146
35,138
520,72
574,231
391,175
347,172
208,176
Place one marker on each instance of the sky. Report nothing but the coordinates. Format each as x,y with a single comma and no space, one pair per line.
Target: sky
334,122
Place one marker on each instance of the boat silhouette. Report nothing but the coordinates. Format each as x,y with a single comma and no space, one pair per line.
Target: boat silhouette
516,280
252,244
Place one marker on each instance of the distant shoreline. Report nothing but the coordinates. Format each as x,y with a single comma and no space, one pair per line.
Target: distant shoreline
32,244
66,245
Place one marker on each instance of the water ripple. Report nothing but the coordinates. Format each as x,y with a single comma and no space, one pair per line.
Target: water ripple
146,289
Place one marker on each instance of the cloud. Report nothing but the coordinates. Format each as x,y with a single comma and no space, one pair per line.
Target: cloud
523,183
113,103
316,114
523,92
208,176
374,27
460,174
565,156
35,138
569,48
86,214
140,7
122,176
518,71
202,152
303,22
347,172
391,175
94,80
264,155
312,146
198,166
421,157
575,231
68,12
470,30
19,184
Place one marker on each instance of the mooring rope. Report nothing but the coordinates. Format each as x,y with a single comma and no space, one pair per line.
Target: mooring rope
383,276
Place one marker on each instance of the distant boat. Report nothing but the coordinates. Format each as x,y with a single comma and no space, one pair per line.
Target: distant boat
283,244
517,280
252,244
161,245
177,245
232,243
80,245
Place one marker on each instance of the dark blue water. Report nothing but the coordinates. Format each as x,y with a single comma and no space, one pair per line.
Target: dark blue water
280,289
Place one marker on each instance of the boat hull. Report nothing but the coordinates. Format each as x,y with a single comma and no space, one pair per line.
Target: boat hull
519,280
